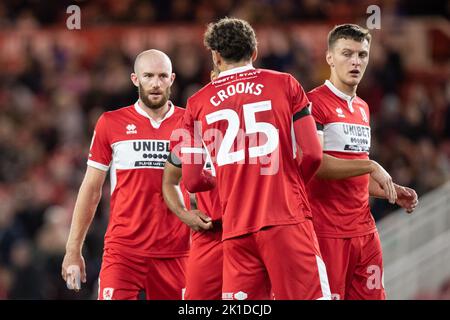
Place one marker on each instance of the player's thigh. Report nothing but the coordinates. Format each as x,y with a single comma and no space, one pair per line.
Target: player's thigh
337,255
204,268
244,274
165,278
292,256
120,278
367,282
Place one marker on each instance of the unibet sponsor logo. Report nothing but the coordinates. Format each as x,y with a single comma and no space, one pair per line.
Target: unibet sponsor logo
355,130
154,153
359,137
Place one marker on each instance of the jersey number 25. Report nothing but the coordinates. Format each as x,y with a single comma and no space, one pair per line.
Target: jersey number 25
224,155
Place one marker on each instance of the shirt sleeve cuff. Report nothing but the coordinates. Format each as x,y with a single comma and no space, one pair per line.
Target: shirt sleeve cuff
97,165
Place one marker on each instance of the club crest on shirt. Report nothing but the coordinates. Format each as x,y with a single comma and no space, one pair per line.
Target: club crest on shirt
108,293
364,115
340,113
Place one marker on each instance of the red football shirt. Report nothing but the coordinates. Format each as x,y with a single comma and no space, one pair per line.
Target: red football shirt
341,207
135,147
246,118
209,201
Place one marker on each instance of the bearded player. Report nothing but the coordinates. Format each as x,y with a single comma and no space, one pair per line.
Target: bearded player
146,246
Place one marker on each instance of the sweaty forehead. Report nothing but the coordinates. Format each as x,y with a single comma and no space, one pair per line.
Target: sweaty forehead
351,44
152,63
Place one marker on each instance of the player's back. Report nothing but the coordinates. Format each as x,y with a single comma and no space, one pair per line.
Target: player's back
247,126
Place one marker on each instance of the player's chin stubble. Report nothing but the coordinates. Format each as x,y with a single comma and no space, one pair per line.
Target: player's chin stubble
143,96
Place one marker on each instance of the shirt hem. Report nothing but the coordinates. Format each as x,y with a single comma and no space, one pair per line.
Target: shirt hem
346,235
230,235
129,251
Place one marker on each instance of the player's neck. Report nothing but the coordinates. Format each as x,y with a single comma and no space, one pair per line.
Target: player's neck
155,114
344,88
228,66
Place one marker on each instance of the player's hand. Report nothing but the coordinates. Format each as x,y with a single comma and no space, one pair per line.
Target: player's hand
73,270
385,181
197,220
406,198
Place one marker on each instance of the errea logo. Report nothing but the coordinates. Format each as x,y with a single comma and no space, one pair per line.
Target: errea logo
131,129
340,113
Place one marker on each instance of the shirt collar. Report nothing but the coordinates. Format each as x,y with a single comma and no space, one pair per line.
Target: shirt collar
341,94
155,123
236,70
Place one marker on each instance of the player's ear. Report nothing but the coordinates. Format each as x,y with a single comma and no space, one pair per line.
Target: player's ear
217,59
329,58
254,54
134,79
172,78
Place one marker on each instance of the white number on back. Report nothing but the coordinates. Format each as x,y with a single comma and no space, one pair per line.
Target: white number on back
224,156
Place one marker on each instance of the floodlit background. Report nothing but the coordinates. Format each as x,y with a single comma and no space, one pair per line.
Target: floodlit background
55,82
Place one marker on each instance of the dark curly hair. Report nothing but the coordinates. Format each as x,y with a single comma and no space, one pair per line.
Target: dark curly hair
348,31
234,39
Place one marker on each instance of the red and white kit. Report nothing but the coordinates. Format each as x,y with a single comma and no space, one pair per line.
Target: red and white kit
205,263
342,219
146,245
246,117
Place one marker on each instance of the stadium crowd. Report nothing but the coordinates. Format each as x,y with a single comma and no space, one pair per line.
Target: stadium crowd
105,12
51,99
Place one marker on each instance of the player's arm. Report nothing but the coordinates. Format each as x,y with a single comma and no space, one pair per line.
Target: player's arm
195,178
307,140
406,197
173,197
192,155
337,168
86,204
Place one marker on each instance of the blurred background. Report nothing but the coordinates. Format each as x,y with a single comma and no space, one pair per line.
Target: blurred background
55,82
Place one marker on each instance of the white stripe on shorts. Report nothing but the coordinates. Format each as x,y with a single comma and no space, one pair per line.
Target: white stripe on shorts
324,285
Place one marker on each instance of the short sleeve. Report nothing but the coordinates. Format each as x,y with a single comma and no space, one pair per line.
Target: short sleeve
318,111
100,152
299,100
186,139
176,138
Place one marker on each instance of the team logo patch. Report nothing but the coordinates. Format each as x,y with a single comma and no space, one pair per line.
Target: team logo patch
340,113
131,129
364,115
108,293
